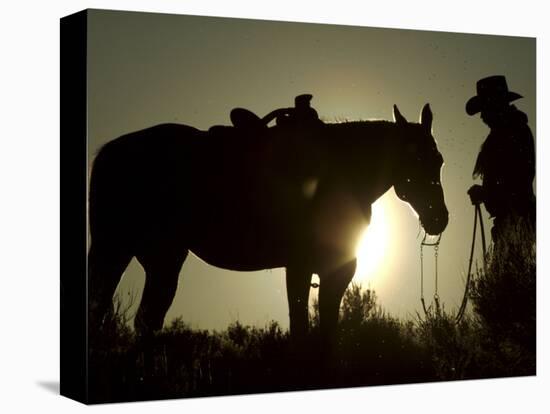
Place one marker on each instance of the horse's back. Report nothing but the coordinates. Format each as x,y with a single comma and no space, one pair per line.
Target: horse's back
233,198
158,139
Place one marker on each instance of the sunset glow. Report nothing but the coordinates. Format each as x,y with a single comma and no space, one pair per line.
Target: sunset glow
373,245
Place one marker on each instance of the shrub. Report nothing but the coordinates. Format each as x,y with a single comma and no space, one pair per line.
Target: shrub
504,298
372,347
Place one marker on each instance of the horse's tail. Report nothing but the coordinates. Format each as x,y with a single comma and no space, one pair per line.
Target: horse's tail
99,187
110,187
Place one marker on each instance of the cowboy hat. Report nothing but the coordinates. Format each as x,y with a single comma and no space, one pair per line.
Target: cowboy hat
490,91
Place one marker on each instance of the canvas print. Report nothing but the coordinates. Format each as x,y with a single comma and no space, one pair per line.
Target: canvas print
280,206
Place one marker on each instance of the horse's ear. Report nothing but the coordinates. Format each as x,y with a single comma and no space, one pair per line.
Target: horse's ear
399,119
426,118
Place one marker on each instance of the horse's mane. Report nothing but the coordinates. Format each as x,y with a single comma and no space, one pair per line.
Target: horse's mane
370,128
375,124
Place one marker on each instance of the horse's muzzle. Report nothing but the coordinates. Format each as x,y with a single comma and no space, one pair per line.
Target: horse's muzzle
436,223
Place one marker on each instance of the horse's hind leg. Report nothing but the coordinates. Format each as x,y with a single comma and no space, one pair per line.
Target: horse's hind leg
162,266
106,263
298,283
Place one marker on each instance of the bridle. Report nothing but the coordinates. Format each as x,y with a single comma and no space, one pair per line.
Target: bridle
425,242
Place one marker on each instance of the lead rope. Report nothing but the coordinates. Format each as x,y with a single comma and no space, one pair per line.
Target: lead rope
436,255
477,214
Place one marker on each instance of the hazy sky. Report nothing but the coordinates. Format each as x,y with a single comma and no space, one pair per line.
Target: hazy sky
146,69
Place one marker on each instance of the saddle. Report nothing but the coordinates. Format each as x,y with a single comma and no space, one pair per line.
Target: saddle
245,120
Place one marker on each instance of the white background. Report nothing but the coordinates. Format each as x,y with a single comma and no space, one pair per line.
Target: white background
29,205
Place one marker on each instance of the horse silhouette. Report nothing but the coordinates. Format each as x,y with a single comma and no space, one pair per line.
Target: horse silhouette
252,199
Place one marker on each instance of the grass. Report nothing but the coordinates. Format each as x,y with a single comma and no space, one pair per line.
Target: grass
497,338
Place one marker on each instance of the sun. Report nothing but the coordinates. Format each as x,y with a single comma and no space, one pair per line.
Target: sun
372,246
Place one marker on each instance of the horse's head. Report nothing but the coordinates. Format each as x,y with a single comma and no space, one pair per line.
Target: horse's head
417,174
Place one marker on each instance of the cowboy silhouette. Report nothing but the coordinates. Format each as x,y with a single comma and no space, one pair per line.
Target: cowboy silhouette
506,160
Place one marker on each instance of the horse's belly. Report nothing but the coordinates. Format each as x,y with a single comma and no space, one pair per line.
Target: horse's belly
258,235
246,228
235,252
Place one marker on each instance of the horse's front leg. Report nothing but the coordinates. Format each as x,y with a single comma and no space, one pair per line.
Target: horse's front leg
298,283
333,284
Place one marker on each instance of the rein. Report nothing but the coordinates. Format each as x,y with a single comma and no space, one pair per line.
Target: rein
462,309
477,214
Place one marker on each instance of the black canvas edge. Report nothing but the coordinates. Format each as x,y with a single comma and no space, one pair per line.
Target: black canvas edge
73,177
